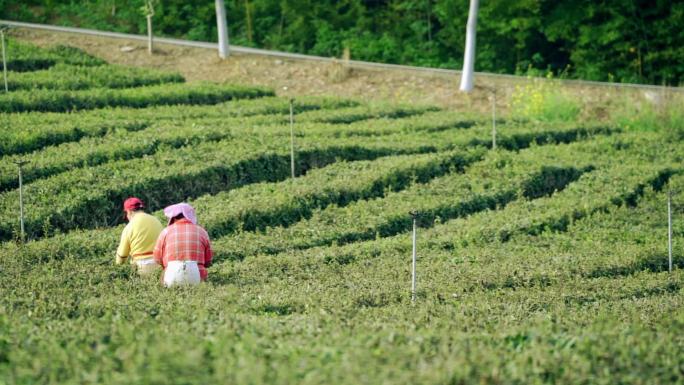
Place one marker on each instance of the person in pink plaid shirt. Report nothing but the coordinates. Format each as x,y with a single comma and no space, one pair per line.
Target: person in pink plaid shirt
183,248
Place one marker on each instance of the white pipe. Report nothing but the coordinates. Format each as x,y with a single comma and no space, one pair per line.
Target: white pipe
21,200
669,230
4,60
469,57
150,36
292,160
413,263
494,121
222,29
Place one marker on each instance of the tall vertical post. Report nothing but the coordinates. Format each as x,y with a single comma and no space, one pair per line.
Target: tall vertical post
292,159
469,55
494,121
669,229
413,263
222,25
4,58
149,34
21,200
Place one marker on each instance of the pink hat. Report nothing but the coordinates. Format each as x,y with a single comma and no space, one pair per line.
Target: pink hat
181,208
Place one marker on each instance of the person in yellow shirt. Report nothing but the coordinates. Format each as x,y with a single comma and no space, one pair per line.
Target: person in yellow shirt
138,238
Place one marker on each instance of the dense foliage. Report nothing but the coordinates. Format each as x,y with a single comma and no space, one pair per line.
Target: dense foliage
74,78
615,40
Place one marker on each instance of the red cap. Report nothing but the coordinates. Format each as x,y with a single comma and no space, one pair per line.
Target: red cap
132,204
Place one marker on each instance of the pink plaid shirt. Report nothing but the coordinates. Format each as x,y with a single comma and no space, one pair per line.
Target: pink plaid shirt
184,241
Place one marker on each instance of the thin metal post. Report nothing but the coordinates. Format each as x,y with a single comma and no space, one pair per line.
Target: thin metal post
669,229
413,263
4,58
494,121
21,200
292,159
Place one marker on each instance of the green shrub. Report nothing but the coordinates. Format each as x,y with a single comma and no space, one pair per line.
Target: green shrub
545,100
63,101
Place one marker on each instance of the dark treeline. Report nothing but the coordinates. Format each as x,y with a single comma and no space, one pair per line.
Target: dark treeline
610,40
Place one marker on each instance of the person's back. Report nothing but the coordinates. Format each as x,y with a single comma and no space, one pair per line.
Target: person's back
138,238
183,248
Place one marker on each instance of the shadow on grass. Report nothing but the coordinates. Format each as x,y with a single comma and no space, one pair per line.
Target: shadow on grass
655,263
581,300
281,309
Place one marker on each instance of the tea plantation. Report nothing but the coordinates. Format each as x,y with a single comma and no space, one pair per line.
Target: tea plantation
542,261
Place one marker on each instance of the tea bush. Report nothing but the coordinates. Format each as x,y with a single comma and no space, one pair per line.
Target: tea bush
63,101
70,77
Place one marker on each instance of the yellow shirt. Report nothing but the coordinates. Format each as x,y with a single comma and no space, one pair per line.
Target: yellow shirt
138,238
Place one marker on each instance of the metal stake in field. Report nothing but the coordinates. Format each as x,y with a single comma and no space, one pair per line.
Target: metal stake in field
414,216
669,229
21,199
292,160
493,120
4,56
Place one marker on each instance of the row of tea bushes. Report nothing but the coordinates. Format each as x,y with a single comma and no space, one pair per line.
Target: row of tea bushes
206,159
22,57
91,196
621,181
26,132
141,97
492,183
69,77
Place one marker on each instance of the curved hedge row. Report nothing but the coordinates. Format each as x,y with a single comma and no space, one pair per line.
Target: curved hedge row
176,132
25,57
117,145
259,206
90,197
615,182
62,101
498,179
68,77
429,121
630,164
210,161
266,204
26,132
104,241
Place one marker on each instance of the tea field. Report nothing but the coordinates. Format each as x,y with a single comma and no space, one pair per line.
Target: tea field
541,261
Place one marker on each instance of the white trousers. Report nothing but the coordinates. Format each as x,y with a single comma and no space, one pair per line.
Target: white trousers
146,267
181,273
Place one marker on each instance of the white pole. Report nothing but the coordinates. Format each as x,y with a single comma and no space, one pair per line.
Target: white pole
669,229
413,264
149,34
494,121
469,57
222,29
21,200
4,59
292,161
